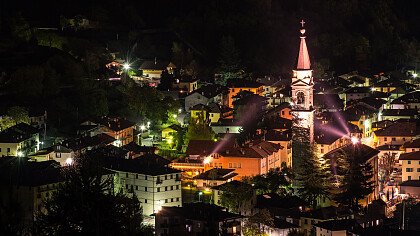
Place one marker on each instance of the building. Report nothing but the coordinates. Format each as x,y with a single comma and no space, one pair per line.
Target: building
245,208
28,184
121,129
396,114
362,115
206,94
214,177
58,153
239,85
19,140
356,93
197,219
407,101
397,133
149,178
186,84
309,219
154,68
410,165
411,187
251,160
302,88
336,227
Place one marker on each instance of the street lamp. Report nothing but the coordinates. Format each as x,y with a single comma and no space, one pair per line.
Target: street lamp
354,140
126,66
142,128
415,75
199,196
69,161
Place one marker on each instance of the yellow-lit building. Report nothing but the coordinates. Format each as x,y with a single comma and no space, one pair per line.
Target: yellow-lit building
19,140
154,68
239,85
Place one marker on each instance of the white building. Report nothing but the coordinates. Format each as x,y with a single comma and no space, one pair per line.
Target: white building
149,178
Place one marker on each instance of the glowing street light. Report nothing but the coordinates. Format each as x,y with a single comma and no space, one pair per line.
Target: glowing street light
20,154
415,75
126,66
142,128
199,196
354,140
207,160
69,161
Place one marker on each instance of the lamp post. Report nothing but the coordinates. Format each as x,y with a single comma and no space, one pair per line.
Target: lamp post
199,196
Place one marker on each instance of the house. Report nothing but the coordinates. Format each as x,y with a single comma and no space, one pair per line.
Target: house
245,208
38,119
309,219
407,101
19,140
411,187
246,102
170,131
363,116
148,177
58,153
239,85
197,219
211,113
329,137
82,144
410,165
396,114
336,227
283,110
284,139
186,84
28,184
328,102
214,177
411,146
281,207
121,129
281,227
367,155
200,149
251,160
210,93
154,68
355,93
397,133
227,126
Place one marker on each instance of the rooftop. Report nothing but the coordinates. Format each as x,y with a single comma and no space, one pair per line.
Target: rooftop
17,133
410,156
217,174
155,65
400,128
400,112
411,183
243,83
363,151
338,225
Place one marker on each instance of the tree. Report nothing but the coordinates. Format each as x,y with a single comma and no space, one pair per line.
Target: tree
234,194
229,60
259,223
356,178
275,181
85,205
18,114
386,166
20,28
6,122
198,129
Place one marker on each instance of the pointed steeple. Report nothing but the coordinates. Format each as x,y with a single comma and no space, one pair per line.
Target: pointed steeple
303,62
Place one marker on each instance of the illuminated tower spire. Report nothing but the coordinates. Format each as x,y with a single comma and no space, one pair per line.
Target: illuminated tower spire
302,88
304,63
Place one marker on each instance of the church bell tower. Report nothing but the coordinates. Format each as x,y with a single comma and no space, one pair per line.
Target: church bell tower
302,88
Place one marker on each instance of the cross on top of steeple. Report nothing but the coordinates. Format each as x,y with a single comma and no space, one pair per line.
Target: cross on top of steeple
302,22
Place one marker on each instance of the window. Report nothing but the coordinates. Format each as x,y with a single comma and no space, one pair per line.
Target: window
177,187
177,199
166,188
409,177
230,165
322,150
172,200
172,176
126,175
137,187
166,177
409,169
239,165
8,150
418,169
172,187
166,200
145,189
158,189
403,139
145,200
385,139
137,176
126,186
394,139
409,162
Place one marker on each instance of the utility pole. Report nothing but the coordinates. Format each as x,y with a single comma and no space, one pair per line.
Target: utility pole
403,216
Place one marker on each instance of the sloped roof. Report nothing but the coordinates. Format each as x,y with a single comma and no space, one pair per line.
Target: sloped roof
155,65
410,156
412,144
363,151
210,90
17,133
400,128
358,90
400,112
150,164
217,174
201,147
413,97
338,225
303,62
243,83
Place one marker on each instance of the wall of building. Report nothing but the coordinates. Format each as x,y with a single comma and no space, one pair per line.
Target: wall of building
152,191
410,170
